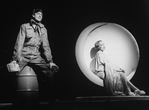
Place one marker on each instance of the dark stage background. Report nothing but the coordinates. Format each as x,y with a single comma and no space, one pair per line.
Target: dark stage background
65,20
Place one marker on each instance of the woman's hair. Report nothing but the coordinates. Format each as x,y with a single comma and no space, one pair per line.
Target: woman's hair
97,44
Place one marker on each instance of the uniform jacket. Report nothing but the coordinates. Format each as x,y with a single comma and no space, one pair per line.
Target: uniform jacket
32,42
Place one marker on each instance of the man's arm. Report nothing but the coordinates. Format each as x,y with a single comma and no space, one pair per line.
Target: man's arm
19,44
46,47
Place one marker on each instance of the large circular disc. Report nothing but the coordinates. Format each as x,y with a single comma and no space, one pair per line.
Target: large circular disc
120,47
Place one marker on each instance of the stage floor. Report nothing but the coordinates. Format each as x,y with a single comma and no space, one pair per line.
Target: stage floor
113,98
87,103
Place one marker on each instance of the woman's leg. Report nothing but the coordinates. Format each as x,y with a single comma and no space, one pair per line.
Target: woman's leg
127,89
131,86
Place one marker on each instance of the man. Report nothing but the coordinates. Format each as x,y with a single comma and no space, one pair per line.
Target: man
32,46
113,77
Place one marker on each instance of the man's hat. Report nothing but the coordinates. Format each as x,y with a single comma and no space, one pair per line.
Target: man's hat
37,10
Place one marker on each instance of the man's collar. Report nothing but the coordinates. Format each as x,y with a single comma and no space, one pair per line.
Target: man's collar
34,22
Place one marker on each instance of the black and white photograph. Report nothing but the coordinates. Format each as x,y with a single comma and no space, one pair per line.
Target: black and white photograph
74,55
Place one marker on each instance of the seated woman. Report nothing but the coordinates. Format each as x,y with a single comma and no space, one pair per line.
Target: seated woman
114,78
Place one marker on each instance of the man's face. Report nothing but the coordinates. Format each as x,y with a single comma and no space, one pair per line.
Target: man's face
38,16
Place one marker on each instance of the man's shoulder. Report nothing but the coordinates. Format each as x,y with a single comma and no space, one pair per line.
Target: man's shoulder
26,25
43,27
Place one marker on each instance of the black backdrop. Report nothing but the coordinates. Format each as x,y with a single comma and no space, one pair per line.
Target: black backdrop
65,20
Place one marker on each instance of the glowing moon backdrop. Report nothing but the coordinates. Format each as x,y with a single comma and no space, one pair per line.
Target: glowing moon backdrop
120,47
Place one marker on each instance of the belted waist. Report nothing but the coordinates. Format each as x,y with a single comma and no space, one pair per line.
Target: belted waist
30,48
30,52
30,56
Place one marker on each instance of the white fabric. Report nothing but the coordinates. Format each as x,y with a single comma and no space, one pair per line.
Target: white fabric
13,67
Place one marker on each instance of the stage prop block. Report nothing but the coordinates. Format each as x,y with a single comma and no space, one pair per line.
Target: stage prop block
27,87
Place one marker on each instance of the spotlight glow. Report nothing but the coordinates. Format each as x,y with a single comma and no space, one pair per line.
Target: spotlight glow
120,47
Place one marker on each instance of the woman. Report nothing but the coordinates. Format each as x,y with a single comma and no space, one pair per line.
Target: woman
113,77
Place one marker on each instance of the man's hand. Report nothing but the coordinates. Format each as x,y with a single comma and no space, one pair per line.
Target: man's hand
52,64
13,66
54,67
